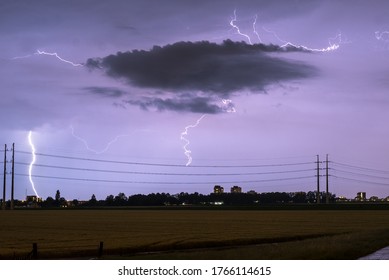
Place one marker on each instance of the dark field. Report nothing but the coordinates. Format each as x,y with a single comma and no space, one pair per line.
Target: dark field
194,234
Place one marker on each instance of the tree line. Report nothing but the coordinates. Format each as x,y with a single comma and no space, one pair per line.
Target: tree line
184,198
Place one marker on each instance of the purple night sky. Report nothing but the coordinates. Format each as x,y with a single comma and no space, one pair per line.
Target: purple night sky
150,68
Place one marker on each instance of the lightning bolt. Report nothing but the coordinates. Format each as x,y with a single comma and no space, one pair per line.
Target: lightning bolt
228,106
332,46
38,52
255,28
234,26
93,150
185,132
32,162
382,36
285,44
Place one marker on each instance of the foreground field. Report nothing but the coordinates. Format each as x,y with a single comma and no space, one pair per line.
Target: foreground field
228,234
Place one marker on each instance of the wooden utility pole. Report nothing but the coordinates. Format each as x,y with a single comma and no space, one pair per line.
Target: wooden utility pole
318,180
327,193
5,175
13,177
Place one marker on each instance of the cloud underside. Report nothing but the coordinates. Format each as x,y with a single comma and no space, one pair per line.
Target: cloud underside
204,71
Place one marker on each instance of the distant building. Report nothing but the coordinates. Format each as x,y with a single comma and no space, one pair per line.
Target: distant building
252,192
33,200
361,196
218,189
374,198
342,199
236,189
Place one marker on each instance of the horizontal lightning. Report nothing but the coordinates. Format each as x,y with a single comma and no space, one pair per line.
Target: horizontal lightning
97,152
285,44
38,52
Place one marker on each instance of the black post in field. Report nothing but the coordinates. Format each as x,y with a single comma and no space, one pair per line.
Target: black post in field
5,176
101,246
34,251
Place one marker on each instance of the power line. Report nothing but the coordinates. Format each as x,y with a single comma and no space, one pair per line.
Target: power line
162,173
164,164
360,181
360,167
163,183
361,174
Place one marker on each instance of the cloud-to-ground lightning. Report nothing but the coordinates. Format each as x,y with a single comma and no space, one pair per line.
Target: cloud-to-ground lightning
33,150
185,147
97,152
38,52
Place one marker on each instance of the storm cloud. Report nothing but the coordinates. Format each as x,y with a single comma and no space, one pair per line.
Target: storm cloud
218,70
204,66
193,104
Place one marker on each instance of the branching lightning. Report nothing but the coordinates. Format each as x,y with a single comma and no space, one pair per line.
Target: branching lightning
382,36
185,132
255,28
38,52
334,43
97,152
32,162
57,56
234,26
228,106
331,45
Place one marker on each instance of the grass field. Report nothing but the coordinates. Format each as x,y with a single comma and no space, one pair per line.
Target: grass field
194,234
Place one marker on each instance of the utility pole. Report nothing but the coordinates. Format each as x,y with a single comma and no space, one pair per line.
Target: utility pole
13,177
5,175
318,180
327,193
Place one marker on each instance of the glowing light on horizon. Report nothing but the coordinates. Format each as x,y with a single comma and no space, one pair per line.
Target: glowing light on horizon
187,142
33,150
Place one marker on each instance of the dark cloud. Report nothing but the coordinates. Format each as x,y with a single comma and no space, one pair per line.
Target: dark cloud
204,66
197,74
203,105
105,91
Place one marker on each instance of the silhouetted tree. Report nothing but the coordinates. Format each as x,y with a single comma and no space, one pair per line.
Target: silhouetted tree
92,201
63,202
299,197
49,202
109,201
120,199
75,202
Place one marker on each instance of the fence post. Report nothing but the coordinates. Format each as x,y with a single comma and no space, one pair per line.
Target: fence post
100,254
34,251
